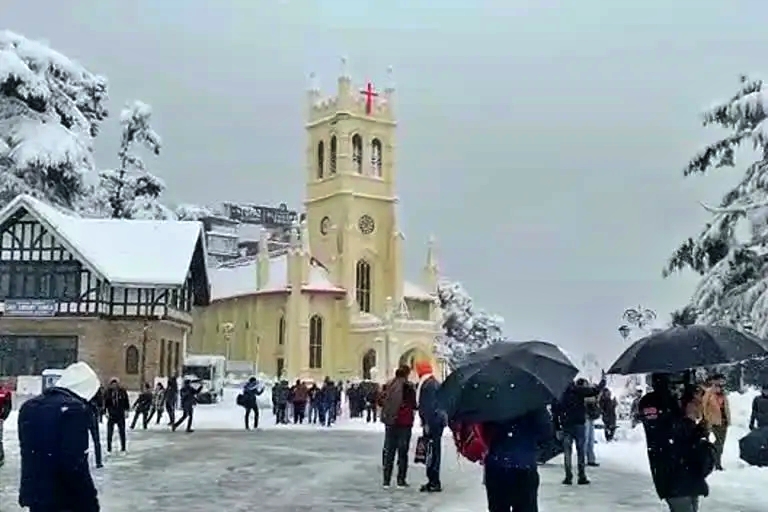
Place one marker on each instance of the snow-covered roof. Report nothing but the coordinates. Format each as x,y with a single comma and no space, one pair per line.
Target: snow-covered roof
414,291
239,278
124,252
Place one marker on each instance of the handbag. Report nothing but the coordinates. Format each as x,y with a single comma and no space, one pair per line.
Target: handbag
421,452
240,400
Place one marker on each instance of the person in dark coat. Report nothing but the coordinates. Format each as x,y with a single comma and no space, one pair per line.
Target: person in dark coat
312,394
570,416
328,400
6,405
98,404
143,407
511,473
251,391
117,406
280,395
53,444
95,434
171,399
433,422
299,398
608,404
679,455
371,403
188,396
398,408
759,416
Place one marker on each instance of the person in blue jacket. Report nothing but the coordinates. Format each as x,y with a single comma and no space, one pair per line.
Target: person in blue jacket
53,443
433,422
511,469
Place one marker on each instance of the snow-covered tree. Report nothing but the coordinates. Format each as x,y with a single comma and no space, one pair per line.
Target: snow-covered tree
465,328
193,212
683,317
734,268
130,191
50,110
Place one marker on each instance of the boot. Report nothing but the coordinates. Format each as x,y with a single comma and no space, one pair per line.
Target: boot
568,480
583,480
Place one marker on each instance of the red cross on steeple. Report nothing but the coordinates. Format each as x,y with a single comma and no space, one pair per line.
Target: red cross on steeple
369,94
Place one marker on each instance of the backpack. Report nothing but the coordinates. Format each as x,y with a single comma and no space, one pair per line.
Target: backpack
470,441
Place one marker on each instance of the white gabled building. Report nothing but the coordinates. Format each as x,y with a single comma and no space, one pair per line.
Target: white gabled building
115,293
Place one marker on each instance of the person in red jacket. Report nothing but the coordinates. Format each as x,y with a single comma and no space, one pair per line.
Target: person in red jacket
398,407
6,405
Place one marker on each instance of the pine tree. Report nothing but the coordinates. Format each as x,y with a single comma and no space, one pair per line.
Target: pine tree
465,328
684,316
130,191
733,286
50,110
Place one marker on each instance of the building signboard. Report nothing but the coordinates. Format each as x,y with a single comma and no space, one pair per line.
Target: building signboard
261,215
30,307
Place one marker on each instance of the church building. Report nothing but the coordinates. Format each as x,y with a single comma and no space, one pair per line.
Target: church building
334,302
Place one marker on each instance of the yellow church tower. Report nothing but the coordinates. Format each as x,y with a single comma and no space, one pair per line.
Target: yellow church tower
350,191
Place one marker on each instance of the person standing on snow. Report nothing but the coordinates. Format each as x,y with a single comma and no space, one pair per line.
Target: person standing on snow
6,405
593,414
171,399
570,417
299,397
251,391
679,455
608,404
117,406
511,474
717,414
53,444
432,421
398,406
188,396
759,416
143,407
95,434
158,403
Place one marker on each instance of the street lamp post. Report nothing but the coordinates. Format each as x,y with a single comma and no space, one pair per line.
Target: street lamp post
227,328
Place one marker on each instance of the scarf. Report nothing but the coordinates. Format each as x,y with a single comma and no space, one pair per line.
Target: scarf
422,380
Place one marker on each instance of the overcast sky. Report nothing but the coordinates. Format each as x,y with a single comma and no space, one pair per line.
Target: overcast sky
541,142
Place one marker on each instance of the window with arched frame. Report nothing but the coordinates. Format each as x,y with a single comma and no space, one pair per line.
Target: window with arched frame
332,157
320,159
132,360
357,153
281,331
363,285
376,157
316,342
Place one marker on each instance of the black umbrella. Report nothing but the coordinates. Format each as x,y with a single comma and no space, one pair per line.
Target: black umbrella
681,348
506,380
753,448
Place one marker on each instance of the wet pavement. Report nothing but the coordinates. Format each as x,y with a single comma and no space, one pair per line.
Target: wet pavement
321,471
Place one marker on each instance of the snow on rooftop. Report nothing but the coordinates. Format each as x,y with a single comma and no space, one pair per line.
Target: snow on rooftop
414,291
239,278
126,252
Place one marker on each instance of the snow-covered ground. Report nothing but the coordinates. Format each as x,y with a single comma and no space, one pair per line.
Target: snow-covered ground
342,468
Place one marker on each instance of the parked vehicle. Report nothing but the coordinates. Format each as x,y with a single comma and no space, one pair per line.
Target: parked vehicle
207,372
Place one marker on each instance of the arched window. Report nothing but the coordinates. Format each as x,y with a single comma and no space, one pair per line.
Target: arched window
332,160
369,363
357,153
316,342
132,360
281,331
376,157
363,285
320,159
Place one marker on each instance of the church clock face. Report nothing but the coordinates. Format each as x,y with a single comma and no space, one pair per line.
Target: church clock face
325,225
366,225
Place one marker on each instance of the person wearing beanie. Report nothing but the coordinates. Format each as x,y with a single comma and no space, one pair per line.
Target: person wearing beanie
53,443
432,421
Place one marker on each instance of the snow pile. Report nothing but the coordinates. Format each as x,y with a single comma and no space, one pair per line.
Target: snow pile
193,212
465,328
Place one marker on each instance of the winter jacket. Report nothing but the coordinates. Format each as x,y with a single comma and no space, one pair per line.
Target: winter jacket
398,403
116,402
312,393
607,405
54,468
144,401
672,441
514,444
571,410
251,390
6,403
280,394
158,399
715,408
300,393
592,407
430,414
759,416
188,396
172,392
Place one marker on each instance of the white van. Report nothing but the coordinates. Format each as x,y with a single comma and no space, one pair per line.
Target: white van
207,371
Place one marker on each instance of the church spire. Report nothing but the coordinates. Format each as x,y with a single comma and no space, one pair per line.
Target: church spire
431,272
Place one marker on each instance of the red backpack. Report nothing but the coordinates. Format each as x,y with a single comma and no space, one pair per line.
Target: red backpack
470,441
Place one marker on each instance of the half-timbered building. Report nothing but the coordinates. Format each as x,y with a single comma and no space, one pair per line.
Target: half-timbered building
115,293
